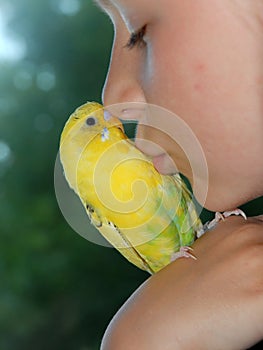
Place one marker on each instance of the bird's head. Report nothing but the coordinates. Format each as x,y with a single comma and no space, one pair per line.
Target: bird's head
90,122
87,122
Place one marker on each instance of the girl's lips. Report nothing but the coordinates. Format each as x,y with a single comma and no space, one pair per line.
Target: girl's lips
161,160
164,164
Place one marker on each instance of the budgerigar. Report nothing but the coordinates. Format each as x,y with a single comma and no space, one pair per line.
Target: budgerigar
150,218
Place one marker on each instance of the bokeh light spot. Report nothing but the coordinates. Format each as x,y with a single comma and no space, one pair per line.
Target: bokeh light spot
46,80
5,151
12,46
22,80
66,7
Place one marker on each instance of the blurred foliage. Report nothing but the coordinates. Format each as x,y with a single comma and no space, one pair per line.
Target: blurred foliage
57,290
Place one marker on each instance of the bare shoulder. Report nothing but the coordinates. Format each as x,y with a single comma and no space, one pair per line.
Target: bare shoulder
190,304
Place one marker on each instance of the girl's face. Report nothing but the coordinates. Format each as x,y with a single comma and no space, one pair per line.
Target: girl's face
202,60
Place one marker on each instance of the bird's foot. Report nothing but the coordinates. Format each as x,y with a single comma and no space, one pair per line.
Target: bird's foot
184,252
226,214
218,217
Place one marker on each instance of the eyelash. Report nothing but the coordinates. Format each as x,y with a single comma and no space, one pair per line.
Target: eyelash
137,38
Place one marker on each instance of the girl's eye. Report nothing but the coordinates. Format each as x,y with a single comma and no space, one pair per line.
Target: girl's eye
137,38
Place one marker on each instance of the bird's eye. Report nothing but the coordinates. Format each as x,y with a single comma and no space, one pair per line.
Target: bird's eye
91,121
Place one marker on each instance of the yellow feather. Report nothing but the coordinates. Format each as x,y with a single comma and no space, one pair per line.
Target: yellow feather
132,205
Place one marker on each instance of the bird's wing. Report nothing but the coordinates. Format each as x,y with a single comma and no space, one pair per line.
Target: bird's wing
118,240
187,215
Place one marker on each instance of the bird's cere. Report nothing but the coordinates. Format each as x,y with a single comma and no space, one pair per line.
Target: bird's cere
107,115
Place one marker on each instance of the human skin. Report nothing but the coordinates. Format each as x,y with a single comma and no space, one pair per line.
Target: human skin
215,302
202,61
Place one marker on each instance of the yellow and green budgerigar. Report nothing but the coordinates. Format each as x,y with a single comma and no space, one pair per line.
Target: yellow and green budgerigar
150,218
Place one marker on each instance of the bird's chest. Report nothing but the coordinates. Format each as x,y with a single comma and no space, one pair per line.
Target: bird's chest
119,182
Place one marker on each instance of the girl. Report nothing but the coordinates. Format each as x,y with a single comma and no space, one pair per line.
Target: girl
203,60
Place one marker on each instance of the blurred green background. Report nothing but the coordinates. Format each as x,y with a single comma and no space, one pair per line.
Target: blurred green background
57,290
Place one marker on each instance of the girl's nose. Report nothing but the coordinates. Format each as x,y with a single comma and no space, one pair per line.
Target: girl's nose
123,84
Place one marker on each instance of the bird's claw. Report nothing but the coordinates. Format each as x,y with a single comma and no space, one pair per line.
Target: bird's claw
184,252
226,214
218,217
